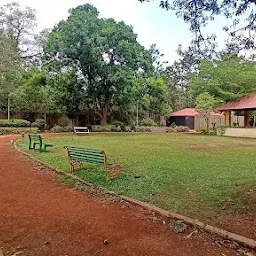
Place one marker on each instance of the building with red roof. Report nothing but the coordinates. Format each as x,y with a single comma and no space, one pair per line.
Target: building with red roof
243,106
191,117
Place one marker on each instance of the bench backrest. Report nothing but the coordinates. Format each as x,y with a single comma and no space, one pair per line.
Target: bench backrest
81,129
33,131
89,155
35,137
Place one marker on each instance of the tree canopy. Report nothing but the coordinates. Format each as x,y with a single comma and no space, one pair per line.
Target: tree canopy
225,78
104,52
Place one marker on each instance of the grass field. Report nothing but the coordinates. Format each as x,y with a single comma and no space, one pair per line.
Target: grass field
199,176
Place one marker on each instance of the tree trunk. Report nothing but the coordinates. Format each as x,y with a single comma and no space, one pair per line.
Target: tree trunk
103,114
45,121
207,124
103,120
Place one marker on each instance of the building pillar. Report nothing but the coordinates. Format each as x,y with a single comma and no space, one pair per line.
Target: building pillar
246,118
228,117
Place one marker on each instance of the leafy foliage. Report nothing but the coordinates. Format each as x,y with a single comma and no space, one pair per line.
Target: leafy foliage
18,24
104,52
14,123
226,78
32,95
39,123
148,122
205,104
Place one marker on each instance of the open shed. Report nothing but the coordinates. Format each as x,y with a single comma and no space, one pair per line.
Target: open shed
185,117
191,117
245,106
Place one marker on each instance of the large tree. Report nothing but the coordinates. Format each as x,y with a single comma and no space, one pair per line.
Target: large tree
9,69
67,92
18,23
225,78
104,52
33,95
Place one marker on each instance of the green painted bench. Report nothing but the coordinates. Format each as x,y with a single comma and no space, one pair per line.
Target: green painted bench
33,132
37,140
77,156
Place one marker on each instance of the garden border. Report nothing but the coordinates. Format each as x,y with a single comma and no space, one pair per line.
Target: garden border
242,240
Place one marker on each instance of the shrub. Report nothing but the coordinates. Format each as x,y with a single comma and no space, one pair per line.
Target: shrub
210,132
143,129
100,128
117,123
39,123
63,122
133,127
123,128
10,130
182,129
14,123
177,129
173,125
170,129
115,128
148,122
58,128
128,129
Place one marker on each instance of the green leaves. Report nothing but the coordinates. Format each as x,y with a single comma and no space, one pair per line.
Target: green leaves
226,78
104,53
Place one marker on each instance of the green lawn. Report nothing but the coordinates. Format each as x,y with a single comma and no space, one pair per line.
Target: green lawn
199,176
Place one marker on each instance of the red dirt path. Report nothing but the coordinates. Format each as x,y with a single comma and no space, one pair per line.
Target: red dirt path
40,216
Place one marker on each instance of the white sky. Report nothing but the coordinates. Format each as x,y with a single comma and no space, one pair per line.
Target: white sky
152,24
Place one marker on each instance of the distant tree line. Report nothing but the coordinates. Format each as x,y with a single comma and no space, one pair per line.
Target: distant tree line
87,65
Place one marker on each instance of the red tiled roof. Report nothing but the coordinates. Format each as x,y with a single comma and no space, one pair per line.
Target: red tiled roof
245,102
185,112
190,112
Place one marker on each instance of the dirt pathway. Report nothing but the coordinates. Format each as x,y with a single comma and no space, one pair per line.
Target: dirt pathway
42,217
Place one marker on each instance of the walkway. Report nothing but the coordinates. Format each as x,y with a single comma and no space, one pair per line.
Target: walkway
40,216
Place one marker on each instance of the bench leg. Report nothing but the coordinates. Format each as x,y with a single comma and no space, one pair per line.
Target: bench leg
39,146
46,146
75,165
113,171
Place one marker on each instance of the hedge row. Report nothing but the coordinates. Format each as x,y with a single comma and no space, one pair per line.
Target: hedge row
14,123
13,130
113,128
178,129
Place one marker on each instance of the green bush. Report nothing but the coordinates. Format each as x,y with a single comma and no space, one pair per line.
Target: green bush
117,123
100,128
14,123
210,132
13,130
143,129
115,128
128,129
177,129
63,122
148,122
39,123
182,129
133,127
170,129
58,128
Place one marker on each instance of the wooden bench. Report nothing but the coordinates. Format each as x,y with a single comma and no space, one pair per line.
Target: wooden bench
77,156
81,130
37,140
